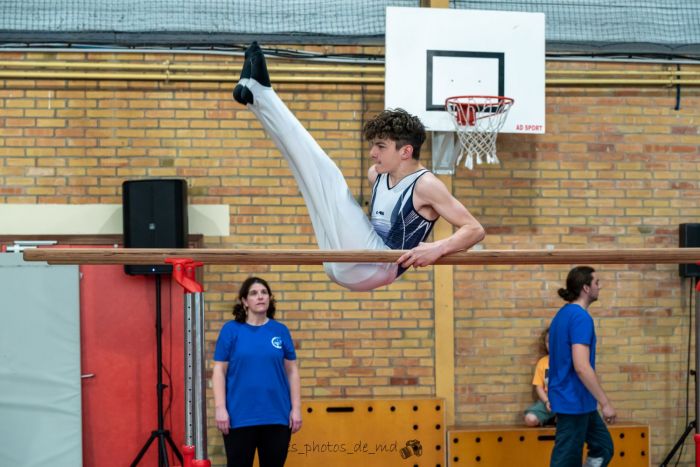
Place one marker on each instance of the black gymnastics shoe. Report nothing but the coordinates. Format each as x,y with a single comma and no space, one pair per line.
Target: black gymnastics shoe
241,93
258,70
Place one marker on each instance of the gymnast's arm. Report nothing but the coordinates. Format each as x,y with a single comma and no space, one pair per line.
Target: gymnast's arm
430,194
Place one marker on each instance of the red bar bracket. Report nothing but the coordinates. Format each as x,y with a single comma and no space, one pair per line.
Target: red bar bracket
183,272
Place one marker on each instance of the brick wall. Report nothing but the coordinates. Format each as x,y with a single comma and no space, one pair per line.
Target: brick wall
617,169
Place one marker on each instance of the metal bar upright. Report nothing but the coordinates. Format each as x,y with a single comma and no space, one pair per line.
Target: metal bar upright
195,365
189,353
199,379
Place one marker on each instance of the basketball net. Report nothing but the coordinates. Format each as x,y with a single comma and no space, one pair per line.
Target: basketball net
477,121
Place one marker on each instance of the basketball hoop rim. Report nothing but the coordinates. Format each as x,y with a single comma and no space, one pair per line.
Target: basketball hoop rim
466,111
500,99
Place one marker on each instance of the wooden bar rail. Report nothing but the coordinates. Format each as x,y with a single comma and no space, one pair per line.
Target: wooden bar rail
291,257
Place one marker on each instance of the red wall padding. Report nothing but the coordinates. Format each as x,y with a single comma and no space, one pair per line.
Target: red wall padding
118,341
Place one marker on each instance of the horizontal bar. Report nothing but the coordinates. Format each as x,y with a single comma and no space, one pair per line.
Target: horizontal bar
265,256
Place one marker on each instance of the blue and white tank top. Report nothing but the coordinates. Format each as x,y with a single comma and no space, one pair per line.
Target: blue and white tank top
393,215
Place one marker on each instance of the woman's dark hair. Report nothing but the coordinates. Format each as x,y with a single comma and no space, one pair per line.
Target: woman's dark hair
542,342
239,311
577,278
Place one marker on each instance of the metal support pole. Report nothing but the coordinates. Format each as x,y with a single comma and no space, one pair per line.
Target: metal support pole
696,437
189,367
693,425
161,436
199,379
697,355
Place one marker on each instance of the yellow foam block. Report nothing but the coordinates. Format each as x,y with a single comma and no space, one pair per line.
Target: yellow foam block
370,432
495,446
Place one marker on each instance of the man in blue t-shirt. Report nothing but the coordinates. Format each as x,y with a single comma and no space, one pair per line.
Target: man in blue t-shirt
574,389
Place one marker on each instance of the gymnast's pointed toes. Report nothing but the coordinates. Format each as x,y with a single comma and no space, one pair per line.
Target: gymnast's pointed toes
258,67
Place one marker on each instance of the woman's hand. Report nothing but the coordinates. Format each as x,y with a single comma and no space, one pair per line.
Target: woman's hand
295,420
222,420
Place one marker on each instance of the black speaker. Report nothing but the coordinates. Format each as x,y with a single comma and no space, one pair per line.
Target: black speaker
689,237
155,216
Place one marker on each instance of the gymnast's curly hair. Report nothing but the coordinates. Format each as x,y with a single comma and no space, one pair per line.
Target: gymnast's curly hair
399,126
239,312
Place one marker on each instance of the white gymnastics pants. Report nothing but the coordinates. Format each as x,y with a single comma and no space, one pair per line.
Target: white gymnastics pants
338,220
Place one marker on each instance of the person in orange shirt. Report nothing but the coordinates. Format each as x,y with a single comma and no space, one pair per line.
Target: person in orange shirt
540,413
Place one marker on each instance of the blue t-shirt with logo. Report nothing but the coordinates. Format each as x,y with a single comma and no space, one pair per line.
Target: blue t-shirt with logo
257,388
567,394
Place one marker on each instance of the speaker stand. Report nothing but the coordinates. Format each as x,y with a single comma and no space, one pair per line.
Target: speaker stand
692,425
161,435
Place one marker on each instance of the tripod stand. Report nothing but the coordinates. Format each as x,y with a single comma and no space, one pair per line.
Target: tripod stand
693,424
160,434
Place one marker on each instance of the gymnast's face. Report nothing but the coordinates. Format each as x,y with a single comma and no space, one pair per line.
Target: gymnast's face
258,299
385,156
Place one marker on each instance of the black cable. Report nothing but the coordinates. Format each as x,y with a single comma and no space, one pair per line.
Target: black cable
305,55
626,56
678,90
687,376
167,411
291,54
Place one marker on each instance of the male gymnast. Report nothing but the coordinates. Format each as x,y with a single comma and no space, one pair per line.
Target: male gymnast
407,199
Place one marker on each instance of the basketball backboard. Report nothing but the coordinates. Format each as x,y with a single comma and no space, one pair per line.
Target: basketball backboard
435,53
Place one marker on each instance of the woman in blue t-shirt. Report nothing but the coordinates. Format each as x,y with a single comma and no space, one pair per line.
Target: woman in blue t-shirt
256,381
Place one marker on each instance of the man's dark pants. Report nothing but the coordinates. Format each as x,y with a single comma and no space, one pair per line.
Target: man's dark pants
572,432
